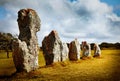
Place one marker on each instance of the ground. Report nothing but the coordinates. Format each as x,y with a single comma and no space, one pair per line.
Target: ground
106,68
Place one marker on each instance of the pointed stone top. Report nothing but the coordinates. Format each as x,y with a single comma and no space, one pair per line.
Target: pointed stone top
54,33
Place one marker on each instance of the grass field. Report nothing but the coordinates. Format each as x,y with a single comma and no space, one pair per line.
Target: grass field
106,68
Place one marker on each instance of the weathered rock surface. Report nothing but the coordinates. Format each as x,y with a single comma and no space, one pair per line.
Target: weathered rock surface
53,48
86,49
74,50
65,52
97,51
25,54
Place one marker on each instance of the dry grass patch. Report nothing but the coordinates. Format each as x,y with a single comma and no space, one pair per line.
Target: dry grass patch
105,68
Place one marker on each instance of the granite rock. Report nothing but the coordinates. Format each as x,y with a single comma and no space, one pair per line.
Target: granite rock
74,50
26,50
53,48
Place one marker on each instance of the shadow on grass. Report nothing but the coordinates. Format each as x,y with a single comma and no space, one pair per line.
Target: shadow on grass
116,68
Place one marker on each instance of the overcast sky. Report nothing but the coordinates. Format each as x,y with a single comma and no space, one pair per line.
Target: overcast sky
91,20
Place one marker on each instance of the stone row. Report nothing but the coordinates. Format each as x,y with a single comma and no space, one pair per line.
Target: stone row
55,50
26,50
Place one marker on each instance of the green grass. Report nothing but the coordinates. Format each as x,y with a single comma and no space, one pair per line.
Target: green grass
106,68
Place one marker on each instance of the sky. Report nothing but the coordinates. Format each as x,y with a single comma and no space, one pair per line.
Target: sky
94,21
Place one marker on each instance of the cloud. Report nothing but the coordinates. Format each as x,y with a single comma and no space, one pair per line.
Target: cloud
91,21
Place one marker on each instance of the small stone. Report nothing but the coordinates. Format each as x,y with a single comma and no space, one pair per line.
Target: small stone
86,49
97,51
74,50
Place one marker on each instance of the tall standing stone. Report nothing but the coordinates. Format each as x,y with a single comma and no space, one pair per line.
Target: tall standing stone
74,50
25,54
53,48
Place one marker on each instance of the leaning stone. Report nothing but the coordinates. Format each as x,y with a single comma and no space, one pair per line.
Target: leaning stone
74,50
26,50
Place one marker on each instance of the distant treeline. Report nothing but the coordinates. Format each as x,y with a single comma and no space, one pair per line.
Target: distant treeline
105,45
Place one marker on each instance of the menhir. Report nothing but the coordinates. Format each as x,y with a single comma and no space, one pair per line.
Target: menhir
25,54
53,48
74,53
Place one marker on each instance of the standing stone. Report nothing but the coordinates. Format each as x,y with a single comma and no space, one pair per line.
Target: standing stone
53,48
97,51
86,49
26,50
74,50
